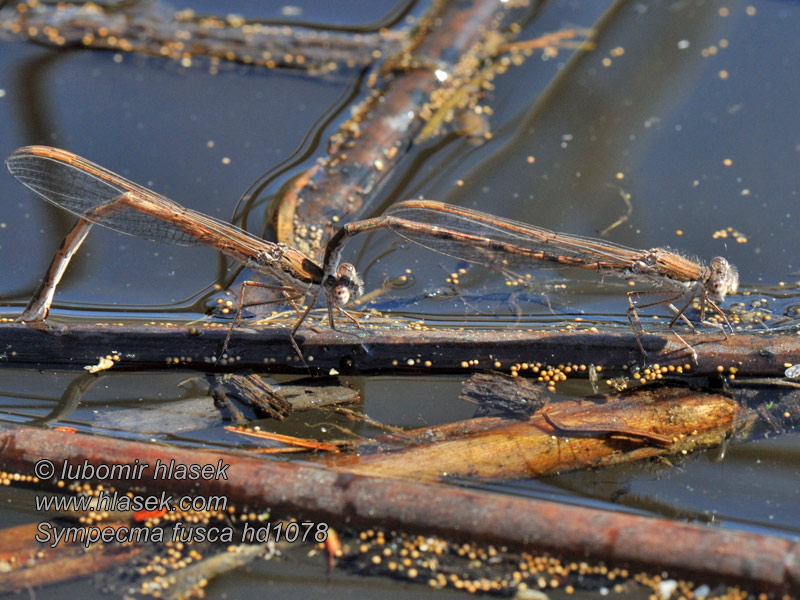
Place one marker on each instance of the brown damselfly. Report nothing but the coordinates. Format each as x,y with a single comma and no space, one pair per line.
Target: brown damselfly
97,195
486,239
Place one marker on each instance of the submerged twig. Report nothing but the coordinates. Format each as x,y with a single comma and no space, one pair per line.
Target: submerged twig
149,27
449,47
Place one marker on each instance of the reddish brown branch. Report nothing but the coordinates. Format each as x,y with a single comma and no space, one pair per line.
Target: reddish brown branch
767,563
31,564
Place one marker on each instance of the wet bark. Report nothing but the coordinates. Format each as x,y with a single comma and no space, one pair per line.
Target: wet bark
453,41
386,350
29,564
767,563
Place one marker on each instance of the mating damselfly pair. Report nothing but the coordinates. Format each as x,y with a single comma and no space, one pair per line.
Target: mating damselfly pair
97,195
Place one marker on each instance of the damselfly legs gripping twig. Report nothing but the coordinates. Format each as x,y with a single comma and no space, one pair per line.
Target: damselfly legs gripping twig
97,195
478,237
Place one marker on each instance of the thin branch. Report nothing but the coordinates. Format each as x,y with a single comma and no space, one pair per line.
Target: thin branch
153,28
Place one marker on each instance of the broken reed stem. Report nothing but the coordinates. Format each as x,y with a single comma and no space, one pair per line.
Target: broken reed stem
565,436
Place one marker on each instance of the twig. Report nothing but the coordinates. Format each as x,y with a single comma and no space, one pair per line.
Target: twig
366,148
31,564
152,28
389,349
768,563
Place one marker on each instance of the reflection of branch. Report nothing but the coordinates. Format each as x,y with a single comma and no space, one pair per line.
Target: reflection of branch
351,500
69,399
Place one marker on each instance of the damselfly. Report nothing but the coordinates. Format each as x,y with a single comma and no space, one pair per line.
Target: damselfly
482,238
97,195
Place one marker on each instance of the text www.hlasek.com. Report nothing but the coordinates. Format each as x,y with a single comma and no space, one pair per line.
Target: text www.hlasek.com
116,502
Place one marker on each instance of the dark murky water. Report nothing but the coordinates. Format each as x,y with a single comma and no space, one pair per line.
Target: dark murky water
688,107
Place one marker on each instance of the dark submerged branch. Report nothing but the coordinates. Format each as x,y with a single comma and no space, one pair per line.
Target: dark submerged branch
154,28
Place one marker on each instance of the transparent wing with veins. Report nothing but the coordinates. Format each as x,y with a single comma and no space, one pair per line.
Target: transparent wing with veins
81,187
477,237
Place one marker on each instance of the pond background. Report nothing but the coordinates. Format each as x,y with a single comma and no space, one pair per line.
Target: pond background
696,119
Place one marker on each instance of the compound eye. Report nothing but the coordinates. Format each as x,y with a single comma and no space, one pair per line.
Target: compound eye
346,270
341,295
719,264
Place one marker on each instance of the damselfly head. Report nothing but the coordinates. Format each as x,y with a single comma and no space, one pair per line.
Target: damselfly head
723,279
348,286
